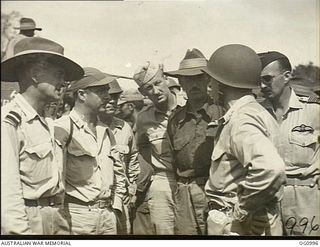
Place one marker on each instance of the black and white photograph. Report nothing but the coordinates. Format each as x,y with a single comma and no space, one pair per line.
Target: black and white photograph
156,120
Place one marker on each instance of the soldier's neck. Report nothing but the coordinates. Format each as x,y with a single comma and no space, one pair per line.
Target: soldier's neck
86,114
282,102
36,104
196,104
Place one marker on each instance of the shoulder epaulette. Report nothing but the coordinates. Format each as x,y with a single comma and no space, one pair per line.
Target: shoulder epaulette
13,118
310,99
314,99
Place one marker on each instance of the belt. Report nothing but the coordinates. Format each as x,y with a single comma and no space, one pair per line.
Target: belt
44,202
103,203
187,180
301,182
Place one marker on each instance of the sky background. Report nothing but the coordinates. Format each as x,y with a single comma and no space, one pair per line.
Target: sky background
117,37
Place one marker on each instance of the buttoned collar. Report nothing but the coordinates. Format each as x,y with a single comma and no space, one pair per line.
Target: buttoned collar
294,102
168,113
204,109
78,119
28,110
235,107
116,123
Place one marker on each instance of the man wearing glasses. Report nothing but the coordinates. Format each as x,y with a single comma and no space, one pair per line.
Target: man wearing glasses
298,118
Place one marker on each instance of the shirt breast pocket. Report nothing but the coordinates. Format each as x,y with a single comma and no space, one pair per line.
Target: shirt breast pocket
37,165
303,139
159,142
122,149
76,149
180,143
302,148
39,151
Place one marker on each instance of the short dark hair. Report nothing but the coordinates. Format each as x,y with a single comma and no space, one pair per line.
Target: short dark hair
284,64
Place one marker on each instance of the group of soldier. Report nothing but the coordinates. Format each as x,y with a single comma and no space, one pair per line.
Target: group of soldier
222,165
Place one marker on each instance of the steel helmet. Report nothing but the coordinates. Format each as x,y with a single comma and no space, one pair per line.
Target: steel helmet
236,66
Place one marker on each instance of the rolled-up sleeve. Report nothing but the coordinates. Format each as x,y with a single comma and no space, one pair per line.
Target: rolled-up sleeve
133,166
265,168
14,219
119,179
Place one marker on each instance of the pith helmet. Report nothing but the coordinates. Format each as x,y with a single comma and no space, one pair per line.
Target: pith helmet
236,66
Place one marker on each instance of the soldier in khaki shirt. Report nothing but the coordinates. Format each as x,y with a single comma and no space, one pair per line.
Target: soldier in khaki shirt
192,144
95,182
126,146
299,127
247,173
154,146
32,172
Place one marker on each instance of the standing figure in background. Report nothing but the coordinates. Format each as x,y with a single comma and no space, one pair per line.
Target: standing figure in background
154,146
299,121
247,175
175,88
192,143
27,28
129,105
126,146
32,171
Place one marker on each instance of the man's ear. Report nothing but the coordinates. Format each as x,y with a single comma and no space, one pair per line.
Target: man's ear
131,106
82,94
287,75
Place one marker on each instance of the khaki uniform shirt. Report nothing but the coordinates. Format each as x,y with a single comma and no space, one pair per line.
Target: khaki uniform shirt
31,165
126,146
246,167
189,137
152,139
93,169
299,133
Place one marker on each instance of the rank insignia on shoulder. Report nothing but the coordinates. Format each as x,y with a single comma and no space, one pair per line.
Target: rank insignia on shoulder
13,118
303,128
310,99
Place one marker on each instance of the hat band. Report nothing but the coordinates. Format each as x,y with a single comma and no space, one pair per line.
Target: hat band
37,51
193,63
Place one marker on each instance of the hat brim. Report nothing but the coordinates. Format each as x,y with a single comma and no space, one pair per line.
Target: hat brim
9,67
36,28
185,72
227,83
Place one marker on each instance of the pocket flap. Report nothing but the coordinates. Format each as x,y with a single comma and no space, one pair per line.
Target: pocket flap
41,150
302,139
123,149
180,143
157,136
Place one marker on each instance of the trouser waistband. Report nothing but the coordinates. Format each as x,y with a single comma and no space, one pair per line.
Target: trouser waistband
102,203
52,201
